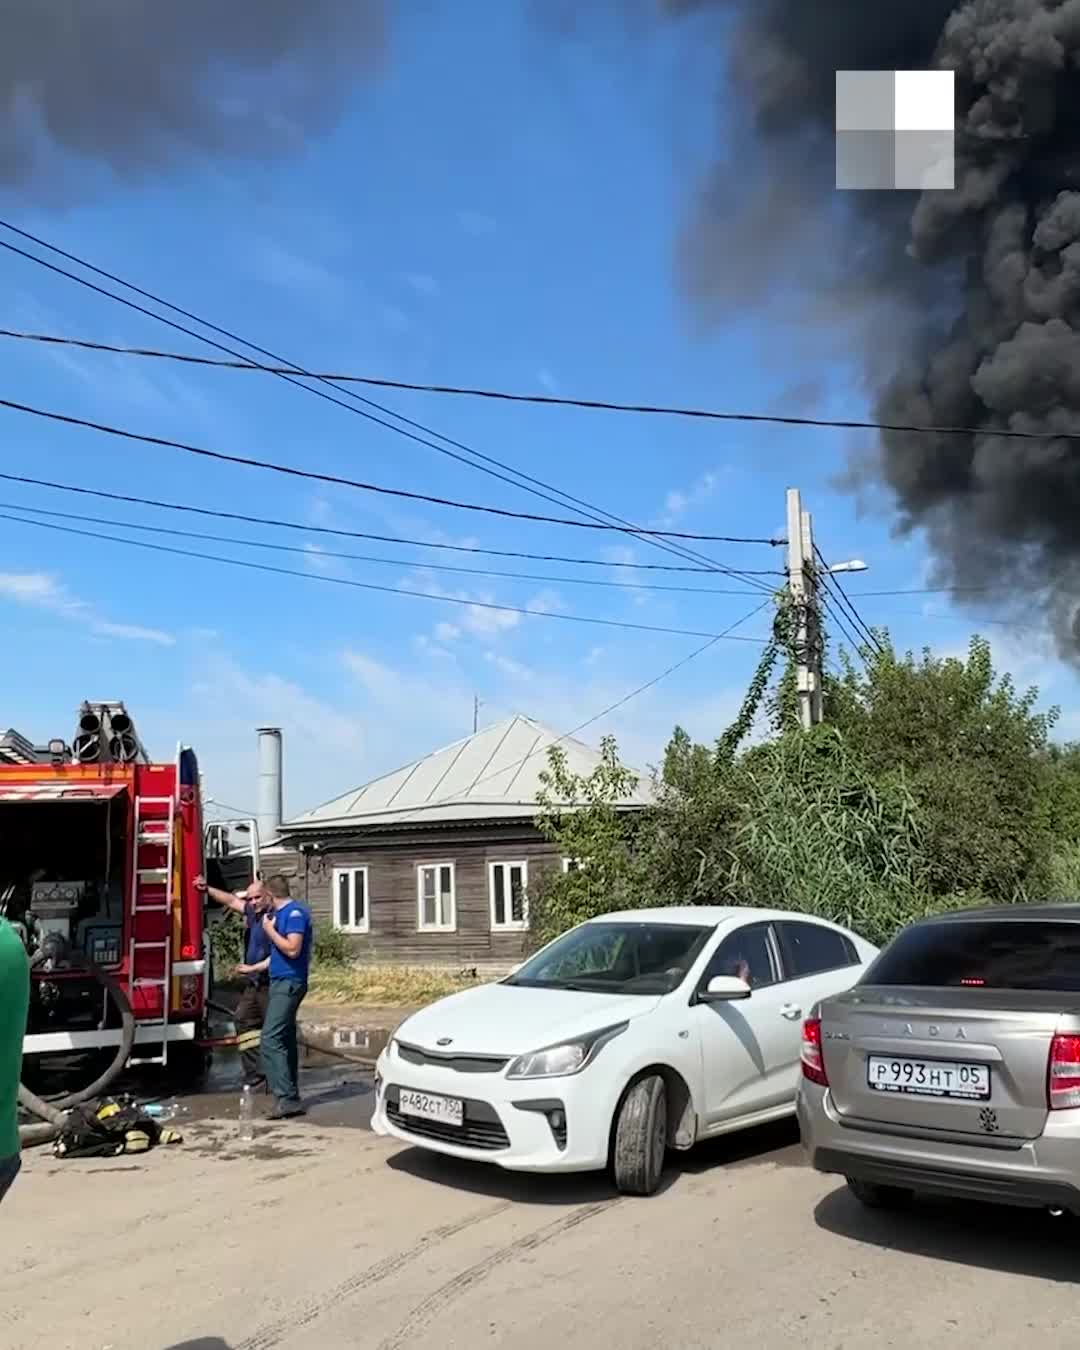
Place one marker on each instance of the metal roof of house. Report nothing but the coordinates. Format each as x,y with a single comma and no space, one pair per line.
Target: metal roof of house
492,775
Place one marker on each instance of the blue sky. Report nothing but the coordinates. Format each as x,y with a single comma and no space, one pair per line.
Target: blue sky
494,209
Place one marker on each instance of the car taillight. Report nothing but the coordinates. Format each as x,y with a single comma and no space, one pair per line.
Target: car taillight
1063,1074
813,1063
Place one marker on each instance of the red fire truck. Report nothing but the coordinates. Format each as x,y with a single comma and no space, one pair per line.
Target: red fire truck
99,851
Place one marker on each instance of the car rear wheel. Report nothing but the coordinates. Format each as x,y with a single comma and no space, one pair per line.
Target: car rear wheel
878,1197
641,1137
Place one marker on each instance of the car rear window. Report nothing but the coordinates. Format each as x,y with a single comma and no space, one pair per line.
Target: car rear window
992,954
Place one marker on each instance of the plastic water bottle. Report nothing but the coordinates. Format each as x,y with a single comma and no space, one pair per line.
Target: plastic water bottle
247,1114
163,1112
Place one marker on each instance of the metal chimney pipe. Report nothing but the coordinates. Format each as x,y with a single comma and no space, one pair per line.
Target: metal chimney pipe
269,795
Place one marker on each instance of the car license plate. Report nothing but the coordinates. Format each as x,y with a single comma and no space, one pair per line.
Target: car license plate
446,1110
928,1077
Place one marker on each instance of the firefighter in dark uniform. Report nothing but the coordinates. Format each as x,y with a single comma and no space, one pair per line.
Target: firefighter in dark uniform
250,1010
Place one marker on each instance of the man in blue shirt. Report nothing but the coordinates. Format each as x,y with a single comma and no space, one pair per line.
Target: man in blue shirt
289,929
250,1010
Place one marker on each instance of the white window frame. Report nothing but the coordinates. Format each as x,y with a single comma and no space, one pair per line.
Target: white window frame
421,926
572,865
509,925
365,925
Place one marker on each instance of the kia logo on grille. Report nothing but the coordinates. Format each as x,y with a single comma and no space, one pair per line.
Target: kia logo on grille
445,1040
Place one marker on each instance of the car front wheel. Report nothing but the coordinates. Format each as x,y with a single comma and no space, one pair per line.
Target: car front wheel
641,1137
878,1197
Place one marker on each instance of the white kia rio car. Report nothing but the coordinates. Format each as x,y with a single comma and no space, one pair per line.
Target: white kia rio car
629,1035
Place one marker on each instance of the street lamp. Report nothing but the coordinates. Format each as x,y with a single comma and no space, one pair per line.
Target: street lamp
852,565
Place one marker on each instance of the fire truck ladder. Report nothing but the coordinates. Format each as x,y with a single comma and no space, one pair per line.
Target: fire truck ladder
151,894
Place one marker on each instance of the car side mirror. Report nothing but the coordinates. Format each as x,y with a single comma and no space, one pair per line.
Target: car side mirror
725,989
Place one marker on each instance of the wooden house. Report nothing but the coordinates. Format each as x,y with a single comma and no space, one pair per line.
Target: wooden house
431,864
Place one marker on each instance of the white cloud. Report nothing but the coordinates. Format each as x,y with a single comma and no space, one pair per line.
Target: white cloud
380,714
680,500
471,615
292,271
136,632
326,746
40,590
149,386
315,557
546,602
507,666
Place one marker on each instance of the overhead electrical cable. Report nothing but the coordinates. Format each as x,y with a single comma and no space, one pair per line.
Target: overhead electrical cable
370,586
481,461
292,471
831,582
839,620
552,400
727,634
248,519
314,553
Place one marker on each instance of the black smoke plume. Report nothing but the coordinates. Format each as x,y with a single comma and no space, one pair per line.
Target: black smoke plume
136,85
967,302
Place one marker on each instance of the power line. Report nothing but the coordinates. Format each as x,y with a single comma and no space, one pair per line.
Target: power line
246,518
728,633
271,466
314,553
551,400
833,586
931,590
839,620
579,503
371,586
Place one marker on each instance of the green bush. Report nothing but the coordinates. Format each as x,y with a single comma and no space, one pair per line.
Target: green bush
331,946
226,943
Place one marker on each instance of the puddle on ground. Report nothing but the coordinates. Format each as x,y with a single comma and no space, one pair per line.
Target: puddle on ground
337,1088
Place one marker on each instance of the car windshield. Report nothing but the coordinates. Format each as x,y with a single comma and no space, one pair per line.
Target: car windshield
616,958
1002,954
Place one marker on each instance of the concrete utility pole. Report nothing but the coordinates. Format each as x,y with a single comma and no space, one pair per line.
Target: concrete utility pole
804,600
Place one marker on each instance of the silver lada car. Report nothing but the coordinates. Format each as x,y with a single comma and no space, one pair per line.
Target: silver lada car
952,1067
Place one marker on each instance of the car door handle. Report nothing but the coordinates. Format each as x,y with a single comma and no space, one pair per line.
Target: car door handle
791,1011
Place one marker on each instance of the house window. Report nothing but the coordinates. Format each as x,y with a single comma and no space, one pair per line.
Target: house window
351,899
509,906
437,908
571,864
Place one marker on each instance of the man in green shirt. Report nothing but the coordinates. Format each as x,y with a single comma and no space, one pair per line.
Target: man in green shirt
14,1005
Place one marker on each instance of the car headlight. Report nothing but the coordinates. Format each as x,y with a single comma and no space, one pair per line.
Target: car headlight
567,1057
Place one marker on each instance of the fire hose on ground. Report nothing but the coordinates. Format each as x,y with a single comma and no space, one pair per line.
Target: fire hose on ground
51,1113
365,1062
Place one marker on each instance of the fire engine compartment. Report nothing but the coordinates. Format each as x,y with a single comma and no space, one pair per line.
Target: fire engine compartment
63,866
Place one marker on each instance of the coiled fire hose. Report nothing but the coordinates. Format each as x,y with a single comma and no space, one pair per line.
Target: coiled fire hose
51,1114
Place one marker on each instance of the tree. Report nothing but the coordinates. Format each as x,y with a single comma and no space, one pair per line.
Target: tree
816,833
972,752
582,815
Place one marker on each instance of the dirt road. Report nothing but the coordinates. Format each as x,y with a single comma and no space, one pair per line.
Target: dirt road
322,1236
